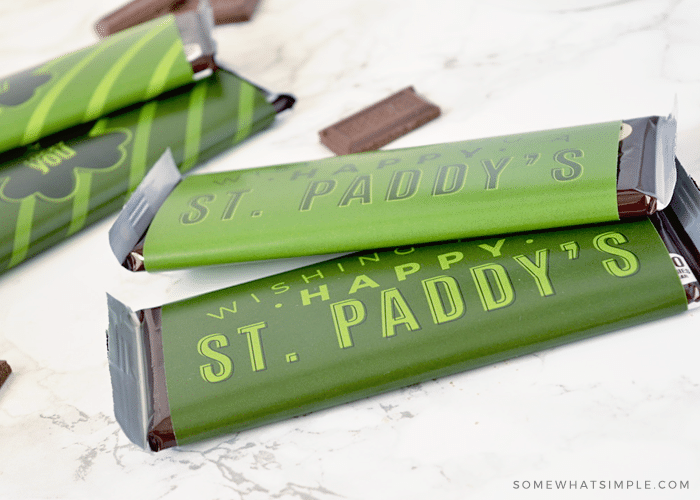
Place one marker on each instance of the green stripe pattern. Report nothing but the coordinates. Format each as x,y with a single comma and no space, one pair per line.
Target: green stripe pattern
196,122
124,69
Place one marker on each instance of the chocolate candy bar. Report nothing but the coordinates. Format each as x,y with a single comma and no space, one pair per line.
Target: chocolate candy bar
523,182
5,371
379,124
140,11
60,184
366,323
125,69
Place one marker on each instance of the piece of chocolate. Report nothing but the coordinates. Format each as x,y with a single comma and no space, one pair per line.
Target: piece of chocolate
140,11
379,124
5,371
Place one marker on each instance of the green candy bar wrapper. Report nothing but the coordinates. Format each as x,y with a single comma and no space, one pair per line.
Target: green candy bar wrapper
60,184
554,178
129,67
370,322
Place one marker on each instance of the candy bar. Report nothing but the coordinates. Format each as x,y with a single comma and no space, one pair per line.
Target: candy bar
140,11
523,182
125,69
366,323
379,124
60,184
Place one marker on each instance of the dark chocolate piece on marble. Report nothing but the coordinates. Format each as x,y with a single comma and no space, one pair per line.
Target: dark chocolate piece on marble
140,11
380,123
5,371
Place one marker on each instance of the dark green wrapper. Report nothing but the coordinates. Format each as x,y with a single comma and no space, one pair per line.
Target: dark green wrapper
62,183
370,322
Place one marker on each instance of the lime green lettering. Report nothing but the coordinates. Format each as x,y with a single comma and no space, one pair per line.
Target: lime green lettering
307,279
365,258
404,270
444,298
322,293
494,250
538,270
628,263
447,259
396,312
404,251
493,285
280,288
347,314
571,248
37,164
223,364
255,347
362,281
222,310
50,157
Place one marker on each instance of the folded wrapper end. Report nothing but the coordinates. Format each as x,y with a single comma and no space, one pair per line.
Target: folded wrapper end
196,29
666,173
280,102
128,358
139,211
685,206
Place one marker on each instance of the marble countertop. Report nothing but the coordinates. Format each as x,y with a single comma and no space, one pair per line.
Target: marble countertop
622,407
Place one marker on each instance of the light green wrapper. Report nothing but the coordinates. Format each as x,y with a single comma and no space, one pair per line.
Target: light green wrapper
430,193
129,67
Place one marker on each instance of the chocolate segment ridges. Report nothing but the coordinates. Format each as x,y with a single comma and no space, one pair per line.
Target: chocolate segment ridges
140,11
379,124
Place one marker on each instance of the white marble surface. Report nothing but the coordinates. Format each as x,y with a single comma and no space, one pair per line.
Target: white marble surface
621,407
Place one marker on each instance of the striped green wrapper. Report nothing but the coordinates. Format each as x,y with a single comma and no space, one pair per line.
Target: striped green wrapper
130,67
54,187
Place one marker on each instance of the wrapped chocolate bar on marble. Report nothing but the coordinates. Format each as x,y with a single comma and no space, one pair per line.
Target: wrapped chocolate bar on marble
537,180
369,322
58,185
134,66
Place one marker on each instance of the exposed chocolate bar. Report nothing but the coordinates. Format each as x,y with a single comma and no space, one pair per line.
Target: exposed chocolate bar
140,11
5,371
379,124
